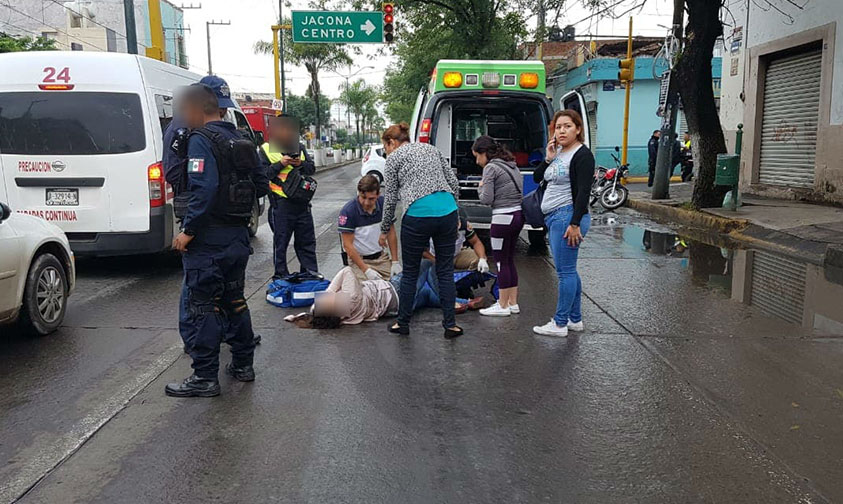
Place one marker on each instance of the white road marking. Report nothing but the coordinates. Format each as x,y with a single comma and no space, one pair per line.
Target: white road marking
67,443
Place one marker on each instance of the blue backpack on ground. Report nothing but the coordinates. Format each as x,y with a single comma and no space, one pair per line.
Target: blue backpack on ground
296,290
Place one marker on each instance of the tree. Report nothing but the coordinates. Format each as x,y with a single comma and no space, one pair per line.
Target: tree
440,29
359,97
314,58
304,109
12,43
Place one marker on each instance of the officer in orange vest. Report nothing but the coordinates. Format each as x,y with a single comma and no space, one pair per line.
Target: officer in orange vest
280,155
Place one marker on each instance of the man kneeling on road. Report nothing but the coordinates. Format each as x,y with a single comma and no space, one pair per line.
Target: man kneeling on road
473,258
359,226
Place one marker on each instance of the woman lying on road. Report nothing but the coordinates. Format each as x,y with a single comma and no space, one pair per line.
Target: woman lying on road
568,170
351,301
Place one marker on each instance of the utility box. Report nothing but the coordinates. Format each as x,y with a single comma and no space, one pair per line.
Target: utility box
728,168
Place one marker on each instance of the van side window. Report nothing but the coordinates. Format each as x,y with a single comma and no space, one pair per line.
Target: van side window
164,105
78,123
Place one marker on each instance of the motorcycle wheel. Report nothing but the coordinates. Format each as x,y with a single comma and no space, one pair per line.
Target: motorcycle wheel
614,198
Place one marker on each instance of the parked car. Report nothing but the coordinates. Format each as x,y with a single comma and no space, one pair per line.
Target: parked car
373,162
37,272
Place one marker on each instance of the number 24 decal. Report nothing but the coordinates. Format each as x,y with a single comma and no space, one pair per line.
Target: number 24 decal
63,75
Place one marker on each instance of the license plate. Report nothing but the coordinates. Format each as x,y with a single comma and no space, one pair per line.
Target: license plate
62,197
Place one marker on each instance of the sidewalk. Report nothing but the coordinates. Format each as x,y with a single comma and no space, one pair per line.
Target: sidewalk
808,231
320,169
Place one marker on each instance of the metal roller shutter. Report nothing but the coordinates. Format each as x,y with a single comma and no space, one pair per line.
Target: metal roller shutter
789,120
778,286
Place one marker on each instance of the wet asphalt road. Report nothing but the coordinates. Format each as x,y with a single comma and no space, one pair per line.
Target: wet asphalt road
674,393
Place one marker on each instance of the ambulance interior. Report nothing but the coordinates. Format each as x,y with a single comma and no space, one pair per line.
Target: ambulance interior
518,124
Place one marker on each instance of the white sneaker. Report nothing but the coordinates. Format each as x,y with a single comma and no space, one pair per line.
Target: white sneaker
514,309
576,326
551,329
495,311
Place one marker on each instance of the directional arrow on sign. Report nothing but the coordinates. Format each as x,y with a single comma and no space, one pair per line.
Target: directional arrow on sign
368,27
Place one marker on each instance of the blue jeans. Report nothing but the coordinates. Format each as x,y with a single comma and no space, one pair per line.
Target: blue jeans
416,233
569,301
427,287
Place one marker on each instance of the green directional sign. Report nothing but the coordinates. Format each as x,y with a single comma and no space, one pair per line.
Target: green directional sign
329,27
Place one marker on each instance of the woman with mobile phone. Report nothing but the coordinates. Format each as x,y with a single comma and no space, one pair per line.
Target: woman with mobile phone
568,170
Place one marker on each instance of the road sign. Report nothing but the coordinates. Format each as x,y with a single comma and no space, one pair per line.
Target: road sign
329,27
277,104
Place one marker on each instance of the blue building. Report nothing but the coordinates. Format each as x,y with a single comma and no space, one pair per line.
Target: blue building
604,96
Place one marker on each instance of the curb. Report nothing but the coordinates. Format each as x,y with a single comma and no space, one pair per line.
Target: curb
686,217
638,179
322,169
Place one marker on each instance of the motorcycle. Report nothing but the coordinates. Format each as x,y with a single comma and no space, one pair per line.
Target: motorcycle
609,186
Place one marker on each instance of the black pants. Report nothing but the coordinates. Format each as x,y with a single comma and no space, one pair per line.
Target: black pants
286,219
651,170
416,233
216,310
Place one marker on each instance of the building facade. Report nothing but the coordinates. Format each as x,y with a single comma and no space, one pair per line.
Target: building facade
94,25
596,79
783,80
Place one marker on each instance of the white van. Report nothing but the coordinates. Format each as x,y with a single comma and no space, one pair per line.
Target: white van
81,146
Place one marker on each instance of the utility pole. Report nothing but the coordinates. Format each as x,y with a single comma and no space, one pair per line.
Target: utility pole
629,65
208,35
667,137
156,31
281,56
131,30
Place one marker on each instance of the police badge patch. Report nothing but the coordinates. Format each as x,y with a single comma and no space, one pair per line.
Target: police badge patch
196,166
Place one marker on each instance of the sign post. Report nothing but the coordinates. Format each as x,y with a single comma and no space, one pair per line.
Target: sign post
327,27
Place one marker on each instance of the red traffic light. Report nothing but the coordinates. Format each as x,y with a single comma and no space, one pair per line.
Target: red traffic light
387,18
388,8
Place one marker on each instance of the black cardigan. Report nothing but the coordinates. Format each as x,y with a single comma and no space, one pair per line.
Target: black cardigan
582,174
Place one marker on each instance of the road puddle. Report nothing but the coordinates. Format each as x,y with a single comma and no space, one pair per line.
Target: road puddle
790,288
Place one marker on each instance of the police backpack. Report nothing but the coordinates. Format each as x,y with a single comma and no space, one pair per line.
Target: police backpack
236,160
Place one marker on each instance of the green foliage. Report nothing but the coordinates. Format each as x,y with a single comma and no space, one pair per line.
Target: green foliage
361,99
342,136
12,43
430,31
314,58
305,110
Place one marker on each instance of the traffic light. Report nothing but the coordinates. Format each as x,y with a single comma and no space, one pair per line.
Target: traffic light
627,70
388,21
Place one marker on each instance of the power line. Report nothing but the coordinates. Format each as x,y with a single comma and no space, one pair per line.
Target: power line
93,20
53,27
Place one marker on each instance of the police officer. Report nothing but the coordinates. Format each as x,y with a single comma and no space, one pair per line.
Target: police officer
288,218
215,244
175,160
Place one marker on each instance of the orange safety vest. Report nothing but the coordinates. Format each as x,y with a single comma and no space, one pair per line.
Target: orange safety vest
275,157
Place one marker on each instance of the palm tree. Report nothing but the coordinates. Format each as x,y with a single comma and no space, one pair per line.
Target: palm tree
357,97
314,58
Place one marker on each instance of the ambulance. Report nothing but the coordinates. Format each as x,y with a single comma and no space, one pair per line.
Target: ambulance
81,146
503,99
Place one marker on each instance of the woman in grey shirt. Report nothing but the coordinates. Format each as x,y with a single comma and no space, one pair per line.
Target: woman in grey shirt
568,171
502,188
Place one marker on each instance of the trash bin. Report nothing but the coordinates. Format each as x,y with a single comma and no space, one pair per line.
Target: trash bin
728,168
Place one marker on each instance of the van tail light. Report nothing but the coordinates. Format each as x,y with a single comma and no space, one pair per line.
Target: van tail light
155,176
366,158
424,131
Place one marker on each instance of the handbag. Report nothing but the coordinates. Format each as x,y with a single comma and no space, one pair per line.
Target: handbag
531,204
531,207
296,290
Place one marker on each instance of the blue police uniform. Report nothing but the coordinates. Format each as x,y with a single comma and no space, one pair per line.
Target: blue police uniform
215,264
287,218
173,160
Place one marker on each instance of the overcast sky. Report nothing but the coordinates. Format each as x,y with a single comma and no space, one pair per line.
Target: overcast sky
233,59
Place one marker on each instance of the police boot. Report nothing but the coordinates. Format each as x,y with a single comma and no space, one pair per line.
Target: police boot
242,373
194,386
